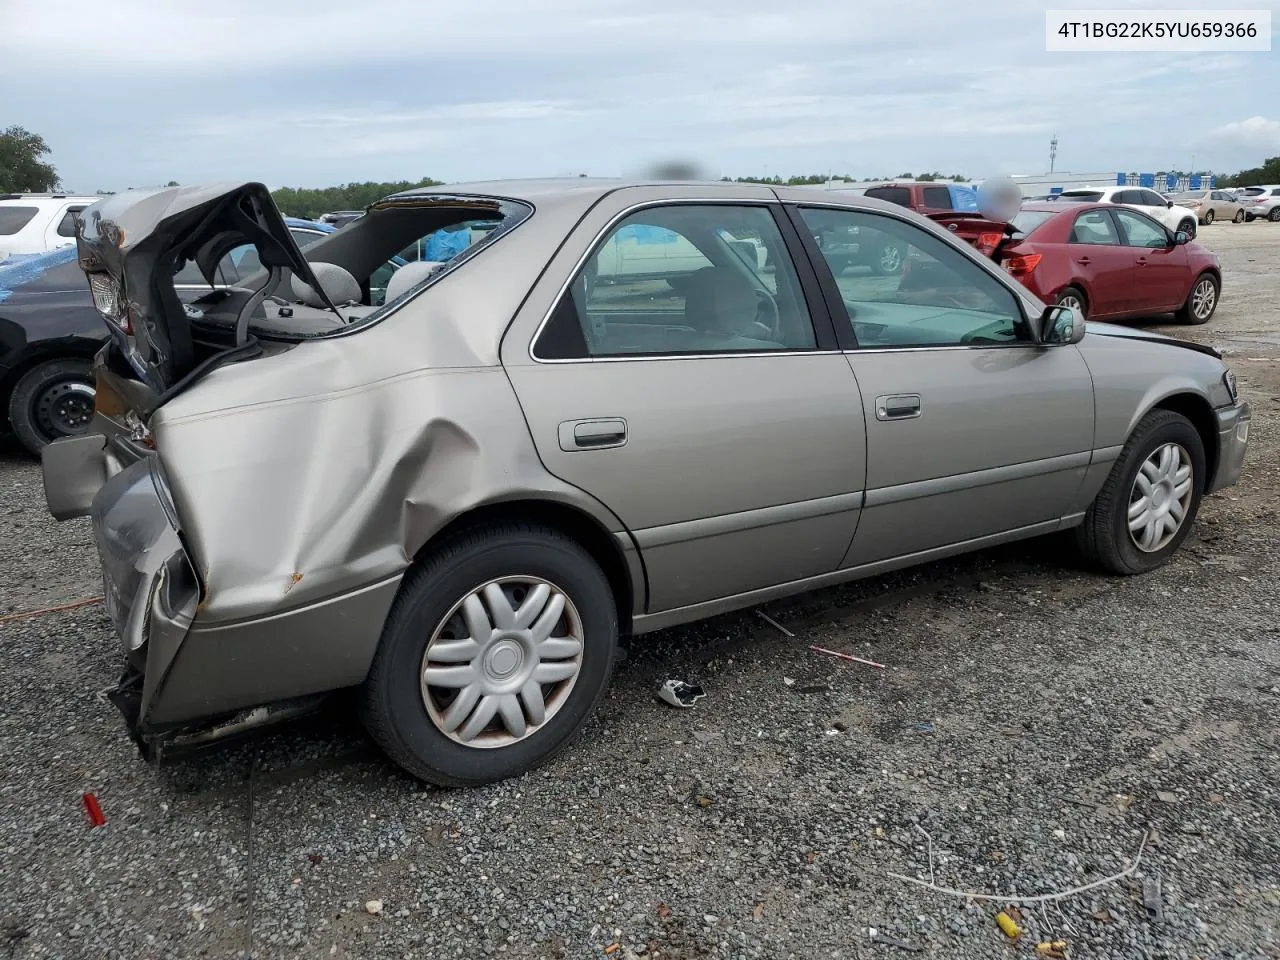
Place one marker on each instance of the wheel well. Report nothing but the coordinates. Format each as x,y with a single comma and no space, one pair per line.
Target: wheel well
570,521
1197,410
71,348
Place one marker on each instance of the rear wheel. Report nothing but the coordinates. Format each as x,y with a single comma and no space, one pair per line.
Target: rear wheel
1208,217
54,399
494,656
1239,217
1073,297
1150,499
1202,301
1274,215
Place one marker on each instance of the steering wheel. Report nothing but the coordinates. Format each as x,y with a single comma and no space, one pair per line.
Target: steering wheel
768,317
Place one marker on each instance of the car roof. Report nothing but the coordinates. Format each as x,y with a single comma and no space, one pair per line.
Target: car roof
27,199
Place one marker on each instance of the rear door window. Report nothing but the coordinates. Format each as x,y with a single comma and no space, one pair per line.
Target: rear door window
13,219
937,198
67,225
899,195
691,280
1095,226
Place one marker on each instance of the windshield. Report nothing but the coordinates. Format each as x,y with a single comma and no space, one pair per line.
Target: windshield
1028,220
1190,196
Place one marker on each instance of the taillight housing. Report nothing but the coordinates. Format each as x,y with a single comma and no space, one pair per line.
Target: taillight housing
108,298
1023,265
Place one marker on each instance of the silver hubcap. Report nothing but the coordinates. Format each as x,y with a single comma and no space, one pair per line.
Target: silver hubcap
1202,299
890,259
1160,497
503,661
1208,217
1072,302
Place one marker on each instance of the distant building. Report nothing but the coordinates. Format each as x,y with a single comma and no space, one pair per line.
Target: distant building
1034,185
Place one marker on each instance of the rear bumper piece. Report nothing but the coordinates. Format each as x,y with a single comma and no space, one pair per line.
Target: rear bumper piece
1233,441
187,682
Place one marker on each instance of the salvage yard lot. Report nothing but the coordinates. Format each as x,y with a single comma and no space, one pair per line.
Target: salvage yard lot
1034,723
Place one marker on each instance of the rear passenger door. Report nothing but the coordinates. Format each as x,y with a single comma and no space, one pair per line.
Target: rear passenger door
973,430
1104,265
686,375
62,229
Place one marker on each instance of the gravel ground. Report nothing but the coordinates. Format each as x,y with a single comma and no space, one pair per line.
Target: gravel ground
1035,722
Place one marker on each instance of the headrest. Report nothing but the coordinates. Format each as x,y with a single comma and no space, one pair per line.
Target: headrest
408,276
719,300
337,282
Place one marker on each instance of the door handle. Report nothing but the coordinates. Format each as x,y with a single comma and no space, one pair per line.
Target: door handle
898,406
1084,261
592,434
1142,261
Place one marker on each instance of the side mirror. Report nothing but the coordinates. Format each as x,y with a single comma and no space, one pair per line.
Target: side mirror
1181,237
1059,325
1168,203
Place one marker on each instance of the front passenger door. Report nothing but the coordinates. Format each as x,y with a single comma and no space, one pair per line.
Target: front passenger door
1159,280
973,429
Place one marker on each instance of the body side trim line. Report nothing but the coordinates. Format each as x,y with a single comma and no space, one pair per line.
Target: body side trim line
726,523
978,478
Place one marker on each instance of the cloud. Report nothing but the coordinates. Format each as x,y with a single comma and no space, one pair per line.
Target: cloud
322,91
1256,131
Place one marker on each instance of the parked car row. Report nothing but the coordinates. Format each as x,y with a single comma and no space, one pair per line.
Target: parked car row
458,501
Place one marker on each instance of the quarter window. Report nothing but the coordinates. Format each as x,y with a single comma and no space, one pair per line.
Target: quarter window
683,280
904,287
1140,231
1095,226
13,219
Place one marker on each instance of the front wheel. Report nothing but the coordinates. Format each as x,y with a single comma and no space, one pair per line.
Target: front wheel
53,400
494,656
1201,302
1189,227
1149,500
1239,217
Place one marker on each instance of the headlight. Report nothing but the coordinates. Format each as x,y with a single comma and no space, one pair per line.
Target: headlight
1229,381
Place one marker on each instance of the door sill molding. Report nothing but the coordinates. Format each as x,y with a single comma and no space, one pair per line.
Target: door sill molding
644,623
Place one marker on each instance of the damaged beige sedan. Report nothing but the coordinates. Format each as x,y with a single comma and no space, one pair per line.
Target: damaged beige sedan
625,406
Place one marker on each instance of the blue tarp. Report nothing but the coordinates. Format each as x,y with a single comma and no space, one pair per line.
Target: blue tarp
642,233
447,244
962,197
16,271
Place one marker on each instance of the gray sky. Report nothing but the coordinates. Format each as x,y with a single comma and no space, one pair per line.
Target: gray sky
318,92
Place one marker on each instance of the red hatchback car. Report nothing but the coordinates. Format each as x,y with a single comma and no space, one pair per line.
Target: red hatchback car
1110,262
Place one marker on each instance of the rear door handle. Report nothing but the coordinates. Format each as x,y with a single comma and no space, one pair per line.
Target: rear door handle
1084,261
592,434
898,406
1142,261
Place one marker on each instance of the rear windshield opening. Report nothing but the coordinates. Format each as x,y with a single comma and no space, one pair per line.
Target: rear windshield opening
1027,220
371,264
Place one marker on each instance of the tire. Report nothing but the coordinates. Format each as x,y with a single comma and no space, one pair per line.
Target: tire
1239,217
1189,226
889,260
1202,301
1068,294
1104,538
52,400
1274,215
408,718
1208,218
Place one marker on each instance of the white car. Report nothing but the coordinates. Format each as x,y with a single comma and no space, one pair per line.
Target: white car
1261,201
1173,217
38,222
